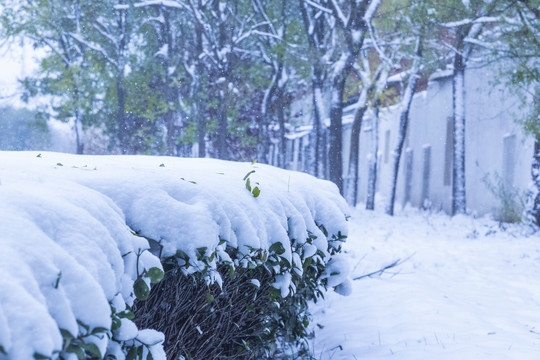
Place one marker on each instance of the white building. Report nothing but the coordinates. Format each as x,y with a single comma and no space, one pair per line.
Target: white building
498,154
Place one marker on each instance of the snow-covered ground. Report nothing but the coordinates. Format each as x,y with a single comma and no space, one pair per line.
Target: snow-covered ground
469,289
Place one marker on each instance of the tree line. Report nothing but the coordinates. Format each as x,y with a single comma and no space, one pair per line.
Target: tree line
158,76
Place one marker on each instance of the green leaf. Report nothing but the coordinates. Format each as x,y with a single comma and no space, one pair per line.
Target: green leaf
59,164
66,335
38,356
253,162
77,350
248,185
116,323
38,156
277,248
308,262
92,349
231,272
126,314
155,274
209,298
256,192
201,252
141,290
247,175
132,353
99,330
149,356
161,165
182,255
83,325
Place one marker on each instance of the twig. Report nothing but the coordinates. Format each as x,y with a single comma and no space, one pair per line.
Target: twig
395,263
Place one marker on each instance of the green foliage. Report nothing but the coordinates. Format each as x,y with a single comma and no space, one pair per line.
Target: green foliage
236,319
512,201
255,190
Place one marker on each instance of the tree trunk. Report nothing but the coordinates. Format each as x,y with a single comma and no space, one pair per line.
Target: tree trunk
196,88
264,135
120,115
282,153
402,132
459,199
403,125
335,151
172,116
374,162
78,131
318,125
222,126
354,158
532,211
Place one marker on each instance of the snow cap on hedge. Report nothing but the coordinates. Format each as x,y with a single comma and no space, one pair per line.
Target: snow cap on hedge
69,250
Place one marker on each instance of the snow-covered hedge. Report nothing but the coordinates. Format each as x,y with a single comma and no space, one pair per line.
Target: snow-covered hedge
75,232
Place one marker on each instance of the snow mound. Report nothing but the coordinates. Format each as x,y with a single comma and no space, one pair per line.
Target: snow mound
75,229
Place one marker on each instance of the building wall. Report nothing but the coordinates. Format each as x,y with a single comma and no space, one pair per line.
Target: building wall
497,151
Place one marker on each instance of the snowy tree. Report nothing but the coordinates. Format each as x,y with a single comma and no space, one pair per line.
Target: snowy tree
351,19
272,46
418,22
225,26
406,101
66,73
518,31
466,20
371,86
319,29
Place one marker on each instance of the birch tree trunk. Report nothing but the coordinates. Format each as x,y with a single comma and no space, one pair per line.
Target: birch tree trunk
354,158
374,162
335,150
318,125
403,125
459,196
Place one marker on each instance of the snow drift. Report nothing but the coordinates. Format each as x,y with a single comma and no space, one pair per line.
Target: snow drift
75,228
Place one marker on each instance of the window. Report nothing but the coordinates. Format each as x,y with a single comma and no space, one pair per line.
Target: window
426,175
509,160
448,152
386,146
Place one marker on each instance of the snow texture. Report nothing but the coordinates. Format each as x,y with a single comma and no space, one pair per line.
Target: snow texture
75,229
467,289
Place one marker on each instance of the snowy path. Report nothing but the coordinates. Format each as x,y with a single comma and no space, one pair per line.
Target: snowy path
469,291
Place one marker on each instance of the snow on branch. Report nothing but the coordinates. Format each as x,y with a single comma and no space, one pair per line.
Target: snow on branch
82,237
339,14
165,3
318,6
372,8
480,20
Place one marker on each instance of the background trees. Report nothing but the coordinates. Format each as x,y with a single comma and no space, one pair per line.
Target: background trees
217,78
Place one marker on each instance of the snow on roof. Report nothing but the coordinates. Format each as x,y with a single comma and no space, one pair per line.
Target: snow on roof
441,74
74,227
